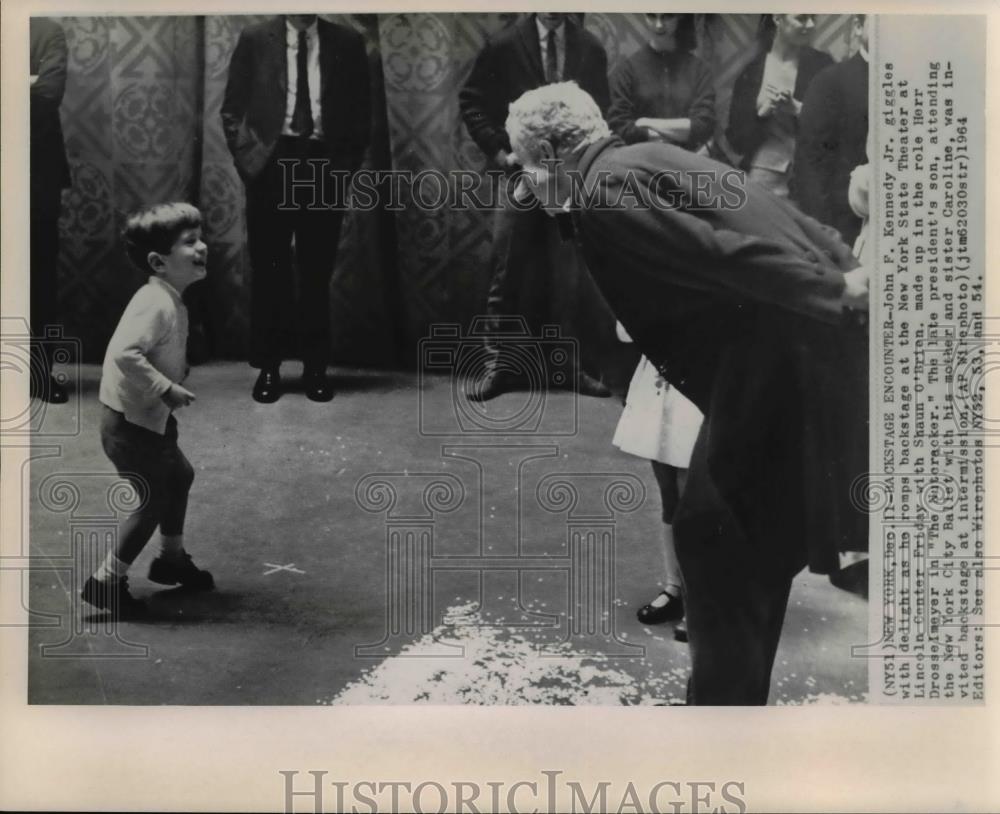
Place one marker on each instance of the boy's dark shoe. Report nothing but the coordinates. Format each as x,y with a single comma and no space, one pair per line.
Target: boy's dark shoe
113,596
180,572
267,388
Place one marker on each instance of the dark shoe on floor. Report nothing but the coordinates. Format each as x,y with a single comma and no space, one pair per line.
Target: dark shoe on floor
672,611
681,631
114,597
486,387
180,572
318,386
853,578
50,391
267,388
587,385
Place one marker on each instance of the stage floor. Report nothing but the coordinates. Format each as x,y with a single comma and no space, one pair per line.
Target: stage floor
392,546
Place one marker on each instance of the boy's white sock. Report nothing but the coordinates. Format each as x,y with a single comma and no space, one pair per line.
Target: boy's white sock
172,546
112,569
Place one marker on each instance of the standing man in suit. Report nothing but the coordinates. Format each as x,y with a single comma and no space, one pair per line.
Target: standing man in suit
532,272
743,305
833,132
49,171
297,104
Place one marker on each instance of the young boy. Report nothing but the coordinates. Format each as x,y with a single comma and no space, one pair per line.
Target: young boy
140,388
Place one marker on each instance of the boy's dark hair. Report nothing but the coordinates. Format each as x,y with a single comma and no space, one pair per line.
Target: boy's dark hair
156,228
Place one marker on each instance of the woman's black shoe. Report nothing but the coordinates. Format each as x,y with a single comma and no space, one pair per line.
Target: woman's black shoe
669,612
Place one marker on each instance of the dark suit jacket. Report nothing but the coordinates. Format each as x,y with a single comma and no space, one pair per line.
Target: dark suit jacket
833,132
741,310
48,165
253,109
511,64
746,130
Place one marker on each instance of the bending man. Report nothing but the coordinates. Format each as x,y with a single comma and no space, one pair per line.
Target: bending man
750,309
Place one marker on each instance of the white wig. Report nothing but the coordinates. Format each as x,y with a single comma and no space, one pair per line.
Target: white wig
562,114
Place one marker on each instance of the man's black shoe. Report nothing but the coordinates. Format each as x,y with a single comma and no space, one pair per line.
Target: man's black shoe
318,386
587,385
853,578
267,388
487,387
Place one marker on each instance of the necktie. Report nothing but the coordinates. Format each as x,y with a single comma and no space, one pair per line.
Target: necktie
551,58
302,119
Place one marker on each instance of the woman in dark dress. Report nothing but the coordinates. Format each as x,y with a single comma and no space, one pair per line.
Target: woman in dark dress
767,98
663,92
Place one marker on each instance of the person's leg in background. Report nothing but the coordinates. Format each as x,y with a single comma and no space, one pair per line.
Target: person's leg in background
518,247
317,234
269,235
669,605
561,304
44,247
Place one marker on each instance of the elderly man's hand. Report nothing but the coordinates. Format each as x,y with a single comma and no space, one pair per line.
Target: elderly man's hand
855,295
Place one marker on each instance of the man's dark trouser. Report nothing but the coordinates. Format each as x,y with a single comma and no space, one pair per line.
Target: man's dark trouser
156,468
735,594
45,203
534,273
274,308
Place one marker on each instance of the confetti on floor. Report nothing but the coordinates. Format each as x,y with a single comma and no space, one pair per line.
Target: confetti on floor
827,698
503,667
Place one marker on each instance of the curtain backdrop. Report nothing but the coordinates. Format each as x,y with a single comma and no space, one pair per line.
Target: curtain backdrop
141,117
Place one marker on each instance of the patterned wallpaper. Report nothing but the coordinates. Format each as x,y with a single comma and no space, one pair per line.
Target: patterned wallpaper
141,115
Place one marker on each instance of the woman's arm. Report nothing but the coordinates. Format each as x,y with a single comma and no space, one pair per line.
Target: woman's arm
622,113
702,112
677,131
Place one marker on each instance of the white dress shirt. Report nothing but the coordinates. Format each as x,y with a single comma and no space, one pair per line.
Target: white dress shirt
312,61
543,36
